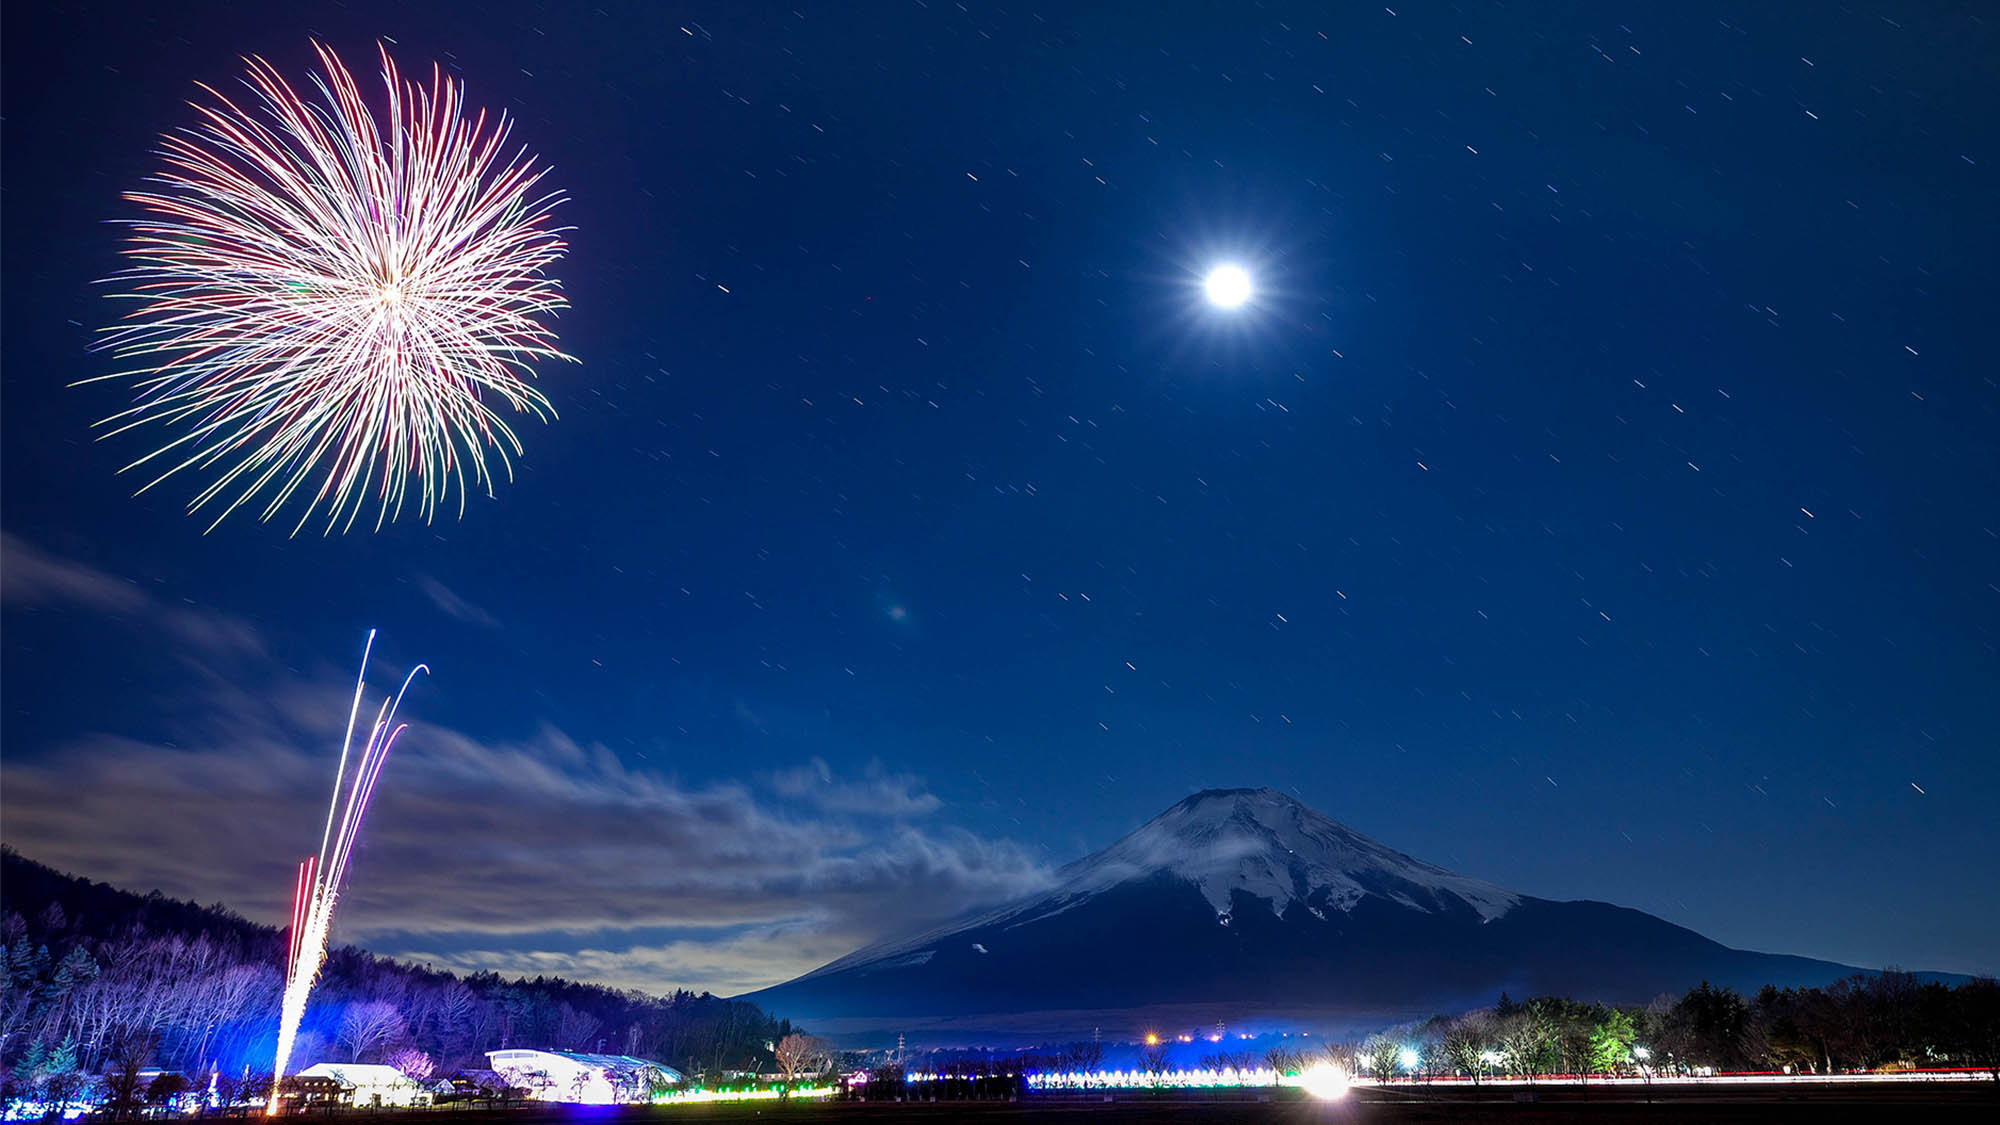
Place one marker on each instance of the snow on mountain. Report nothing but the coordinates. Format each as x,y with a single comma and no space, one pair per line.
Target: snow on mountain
1245,905
1260,842
1275,849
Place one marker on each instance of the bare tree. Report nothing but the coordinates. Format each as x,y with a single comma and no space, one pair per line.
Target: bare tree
533,1081
574,1028
1383,1055
127,1092
798,1054
1463,1044
1521,1042
658,1085
415,1065
368,1025
311,1045
455,1009
482,1024
421,1013
1153,1060
1284,1060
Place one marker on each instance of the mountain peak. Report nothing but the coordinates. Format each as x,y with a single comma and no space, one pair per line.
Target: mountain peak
1264,798
1229,843
1262,804
1275,848
1224,794
1358,934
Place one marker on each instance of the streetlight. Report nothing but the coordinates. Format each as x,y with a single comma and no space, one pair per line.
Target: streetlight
1645,1071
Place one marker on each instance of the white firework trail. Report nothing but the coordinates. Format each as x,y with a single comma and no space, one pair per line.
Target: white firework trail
317,889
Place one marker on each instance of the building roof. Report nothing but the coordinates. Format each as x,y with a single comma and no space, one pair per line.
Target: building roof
357,1074
623,1063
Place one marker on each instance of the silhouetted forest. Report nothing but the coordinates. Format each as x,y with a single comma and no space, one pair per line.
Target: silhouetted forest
92,977
1881,1021
1886,1020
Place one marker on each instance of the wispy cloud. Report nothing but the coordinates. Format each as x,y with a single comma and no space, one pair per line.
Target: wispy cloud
729,965
30,577
876,793
453,606
543,854
31,580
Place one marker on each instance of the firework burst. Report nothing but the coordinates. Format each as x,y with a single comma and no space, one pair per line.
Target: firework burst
317,888
330,305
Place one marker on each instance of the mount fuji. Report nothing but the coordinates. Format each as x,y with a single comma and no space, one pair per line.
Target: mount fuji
1246,906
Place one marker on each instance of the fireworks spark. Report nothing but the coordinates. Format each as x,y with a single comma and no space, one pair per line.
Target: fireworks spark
319,877
331,304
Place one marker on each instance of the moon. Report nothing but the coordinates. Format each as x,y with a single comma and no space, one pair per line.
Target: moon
1227,286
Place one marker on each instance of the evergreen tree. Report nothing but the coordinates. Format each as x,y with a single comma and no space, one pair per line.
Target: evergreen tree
28,1072
77,968
30,961
1611,1042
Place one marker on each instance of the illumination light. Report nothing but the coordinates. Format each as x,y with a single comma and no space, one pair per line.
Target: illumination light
1410,1059
1325,1081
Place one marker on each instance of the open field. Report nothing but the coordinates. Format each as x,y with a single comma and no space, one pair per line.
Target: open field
1954,1101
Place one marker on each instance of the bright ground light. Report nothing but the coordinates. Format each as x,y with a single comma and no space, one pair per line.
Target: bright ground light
1325,1081
1227,286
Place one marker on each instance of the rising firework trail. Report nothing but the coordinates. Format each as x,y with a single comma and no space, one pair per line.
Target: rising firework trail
317,887
332,303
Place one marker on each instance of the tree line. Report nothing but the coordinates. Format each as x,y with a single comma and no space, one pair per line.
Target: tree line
1887,1020
94,980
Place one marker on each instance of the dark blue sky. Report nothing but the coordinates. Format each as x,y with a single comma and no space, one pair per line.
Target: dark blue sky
1602,497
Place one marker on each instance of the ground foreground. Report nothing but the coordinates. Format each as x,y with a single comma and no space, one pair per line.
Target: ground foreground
1957,1101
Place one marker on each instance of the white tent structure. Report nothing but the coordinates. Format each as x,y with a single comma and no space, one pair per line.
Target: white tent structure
369,1084
582,1079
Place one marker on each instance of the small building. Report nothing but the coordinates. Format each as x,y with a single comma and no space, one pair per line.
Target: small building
370,1084
583,1079
297,1092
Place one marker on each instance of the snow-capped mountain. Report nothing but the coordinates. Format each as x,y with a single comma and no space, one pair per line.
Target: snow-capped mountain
1243,904
1256,843
1265,845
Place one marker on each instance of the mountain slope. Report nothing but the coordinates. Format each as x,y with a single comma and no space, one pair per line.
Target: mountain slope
1243,905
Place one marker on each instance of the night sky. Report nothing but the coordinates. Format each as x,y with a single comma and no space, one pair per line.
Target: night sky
1601,495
